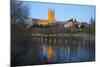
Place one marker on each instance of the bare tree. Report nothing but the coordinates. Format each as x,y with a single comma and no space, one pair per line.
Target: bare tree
19,15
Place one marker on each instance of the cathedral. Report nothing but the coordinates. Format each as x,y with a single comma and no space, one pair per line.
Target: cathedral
50,20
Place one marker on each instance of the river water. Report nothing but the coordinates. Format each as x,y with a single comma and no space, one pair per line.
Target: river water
64,50
51,50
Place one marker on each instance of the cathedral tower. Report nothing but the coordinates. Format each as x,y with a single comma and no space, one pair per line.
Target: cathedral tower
51,16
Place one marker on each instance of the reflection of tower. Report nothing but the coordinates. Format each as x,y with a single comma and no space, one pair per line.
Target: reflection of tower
51,16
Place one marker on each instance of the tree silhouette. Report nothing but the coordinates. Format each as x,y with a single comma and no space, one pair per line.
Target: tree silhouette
19,15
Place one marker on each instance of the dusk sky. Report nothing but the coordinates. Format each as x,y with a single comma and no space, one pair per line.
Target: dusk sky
62,11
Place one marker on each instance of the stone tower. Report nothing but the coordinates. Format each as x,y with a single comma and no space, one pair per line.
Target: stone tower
51,16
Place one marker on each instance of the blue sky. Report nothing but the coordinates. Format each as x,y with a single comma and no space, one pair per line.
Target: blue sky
62,11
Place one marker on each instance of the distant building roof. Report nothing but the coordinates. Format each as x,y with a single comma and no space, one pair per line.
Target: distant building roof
72,19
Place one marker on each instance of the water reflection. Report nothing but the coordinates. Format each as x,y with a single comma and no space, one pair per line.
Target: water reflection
66,50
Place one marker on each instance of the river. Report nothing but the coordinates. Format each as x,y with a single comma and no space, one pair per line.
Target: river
51,50
65,50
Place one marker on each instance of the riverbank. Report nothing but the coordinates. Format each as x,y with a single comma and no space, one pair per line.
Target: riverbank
40,34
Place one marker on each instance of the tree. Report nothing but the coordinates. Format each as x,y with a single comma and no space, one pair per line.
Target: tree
19,11
19,40
92,25
19,15
92,21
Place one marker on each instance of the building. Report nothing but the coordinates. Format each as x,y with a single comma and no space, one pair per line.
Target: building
70,23
43,22
51,18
